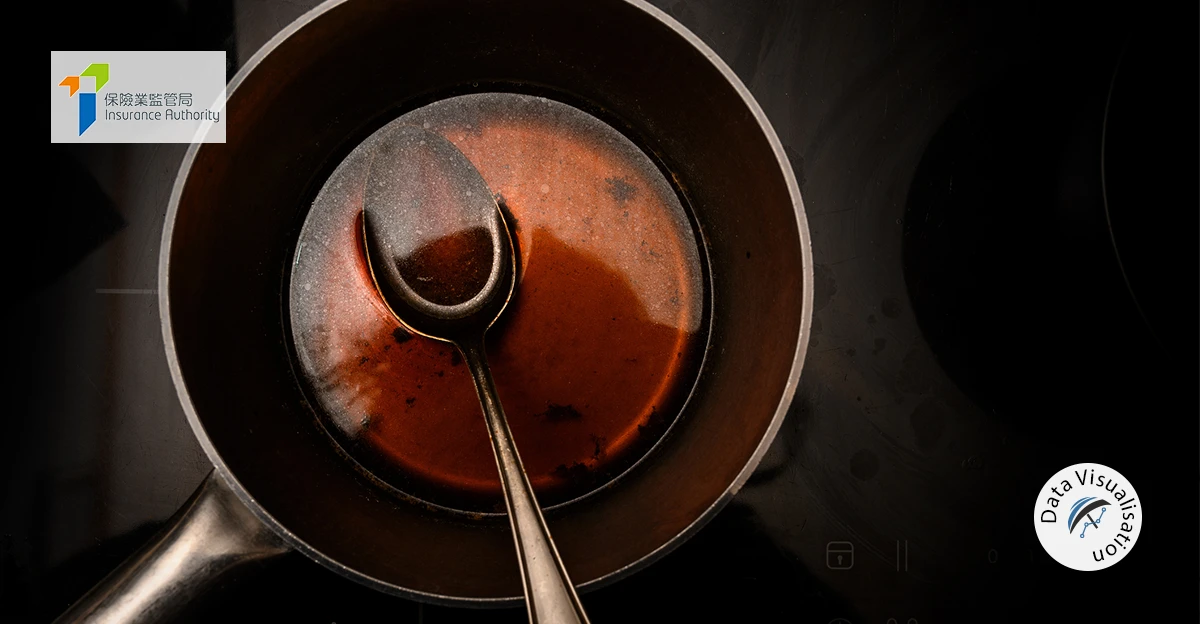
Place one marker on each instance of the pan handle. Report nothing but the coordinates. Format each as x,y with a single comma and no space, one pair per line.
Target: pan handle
213,534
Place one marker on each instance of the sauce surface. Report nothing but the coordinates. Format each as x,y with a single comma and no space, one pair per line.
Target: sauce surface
450,269
594,355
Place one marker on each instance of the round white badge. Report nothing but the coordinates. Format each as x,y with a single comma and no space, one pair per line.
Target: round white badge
1087,517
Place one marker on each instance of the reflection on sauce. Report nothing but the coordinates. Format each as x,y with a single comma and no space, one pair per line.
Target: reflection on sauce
449,269
591,359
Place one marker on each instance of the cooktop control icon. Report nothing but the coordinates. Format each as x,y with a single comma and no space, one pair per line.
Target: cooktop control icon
839,555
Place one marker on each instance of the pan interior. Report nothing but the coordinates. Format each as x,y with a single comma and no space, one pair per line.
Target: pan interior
593,357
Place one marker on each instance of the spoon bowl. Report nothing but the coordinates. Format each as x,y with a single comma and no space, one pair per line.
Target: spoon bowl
438,248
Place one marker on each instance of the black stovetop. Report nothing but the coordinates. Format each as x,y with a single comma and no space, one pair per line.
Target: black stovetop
973,331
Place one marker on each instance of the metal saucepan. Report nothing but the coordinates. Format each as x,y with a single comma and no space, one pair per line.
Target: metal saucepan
297,108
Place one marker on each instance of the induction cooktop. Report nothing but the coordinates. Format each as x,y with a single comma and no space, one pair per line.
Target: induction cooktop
1005,271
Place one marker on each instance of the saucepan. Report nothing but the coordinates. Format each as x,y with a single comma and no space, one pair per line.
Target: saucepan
296,109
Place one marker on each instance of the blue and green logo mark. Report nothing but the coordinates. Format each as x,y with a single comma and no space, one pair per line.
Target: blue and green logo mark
87,100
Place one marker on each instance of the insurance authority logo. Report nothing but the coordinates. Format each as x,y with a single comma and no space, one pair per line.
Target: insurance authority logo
87,99
1087,517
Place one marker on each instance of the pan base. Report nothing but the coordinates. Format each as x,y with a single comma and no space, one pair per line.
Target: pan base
593,357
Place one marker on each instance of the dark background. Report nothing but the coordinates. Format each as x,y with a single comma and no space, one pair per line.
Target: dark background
996,298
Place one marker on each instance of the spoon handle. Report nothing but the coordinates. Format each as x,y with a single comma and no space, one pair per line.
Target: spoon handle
549,594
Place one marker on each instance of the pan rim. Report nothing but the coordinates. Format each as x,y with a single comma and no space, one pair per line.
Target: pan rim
294,541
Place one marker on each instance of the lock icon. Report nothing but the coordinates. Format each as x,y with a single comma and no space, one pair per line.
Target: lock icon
839,555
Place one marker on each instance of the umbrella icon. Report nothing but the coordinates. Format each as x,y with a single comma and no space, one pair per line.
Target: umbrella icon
1083,508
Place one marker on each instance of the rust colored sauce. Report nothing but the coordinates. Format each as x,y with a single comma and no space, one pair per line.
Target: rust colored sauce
593,356
450,269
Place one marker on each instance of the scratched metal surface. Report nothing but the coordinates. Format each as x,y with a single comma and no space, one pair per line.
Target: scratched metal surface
887,450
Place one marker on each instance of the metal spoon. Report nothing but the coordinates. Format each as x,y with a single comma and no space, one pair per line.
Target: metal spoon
442,258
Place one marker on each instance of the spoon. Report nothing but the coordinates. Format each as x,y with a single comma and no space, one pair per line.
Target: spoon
442,258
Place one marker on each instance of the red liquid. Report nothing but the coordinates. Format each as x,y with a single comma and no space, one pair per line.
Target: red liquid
450,269
592,358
